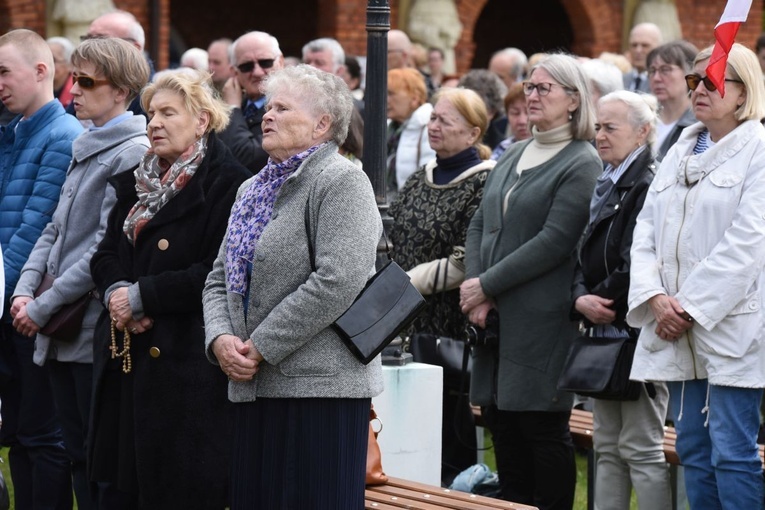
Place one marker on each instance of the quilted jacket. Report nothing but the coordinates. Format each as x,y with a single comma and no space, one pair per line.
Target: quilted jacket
34,156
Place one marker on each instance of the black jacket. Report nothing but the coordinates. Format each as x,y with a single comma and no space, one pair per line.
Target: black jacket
244,137
603,267
174,400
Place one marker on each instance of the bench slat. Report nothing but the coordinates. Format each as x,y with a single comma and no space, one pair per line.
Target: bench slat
464,498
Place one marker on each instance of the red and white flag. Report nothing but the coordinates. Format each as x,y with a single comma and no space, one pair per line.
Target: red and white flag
733,16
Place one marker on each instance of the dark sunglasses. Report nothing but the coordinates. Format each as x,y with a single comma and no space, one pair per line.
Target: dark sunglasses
88,82
693,80
264,63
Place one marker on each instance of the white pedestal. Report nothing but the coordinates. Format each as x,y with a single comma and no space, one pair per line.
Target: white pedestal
410,409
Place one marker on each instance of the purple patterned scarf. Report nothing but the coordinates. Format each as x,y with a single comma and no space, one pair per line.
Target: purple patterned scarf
250,216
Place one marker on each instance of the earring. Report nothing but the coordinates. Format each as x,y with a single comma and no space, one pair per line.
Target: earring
570,116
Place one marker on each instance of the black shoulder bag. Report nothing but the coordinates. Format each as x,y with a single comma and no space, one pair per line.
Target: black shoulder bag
386,305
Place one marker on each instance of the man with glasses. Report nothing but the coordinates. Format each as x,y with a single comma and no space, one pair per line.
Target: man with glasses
253,57
35,151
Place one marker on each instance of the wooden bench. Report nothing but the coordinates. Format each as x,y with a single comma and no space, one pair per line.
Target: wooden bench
398,493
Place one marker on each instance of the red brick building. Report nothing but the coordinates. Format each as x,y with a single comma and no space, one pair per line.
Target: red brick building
585,27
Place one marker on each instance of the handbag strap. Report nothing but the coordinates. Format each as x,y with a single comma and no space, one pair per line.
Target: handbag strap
307,220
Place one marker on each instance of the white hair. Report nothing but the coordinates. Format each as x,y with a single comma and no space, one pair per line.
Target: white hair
65,44
642,110
255,35
323,44
604,76
195,58
519,58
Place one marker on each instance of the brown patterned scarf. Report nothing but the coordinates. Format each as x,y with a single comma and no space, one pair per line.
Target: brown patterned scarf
156,184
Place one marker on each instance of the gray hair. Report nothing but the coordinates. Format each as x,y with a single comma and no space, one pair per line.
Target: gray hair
520,61
604,76
642,110
568,72
323,93
66,46
273,41
324,44
489,86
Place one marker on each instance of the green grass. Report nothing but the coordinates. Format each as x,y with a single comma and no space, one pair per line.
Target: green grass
580,497
6,470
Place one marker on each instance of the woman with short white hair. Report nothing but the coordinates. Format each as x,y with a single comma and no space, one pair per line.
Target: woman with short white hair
301,398
628,434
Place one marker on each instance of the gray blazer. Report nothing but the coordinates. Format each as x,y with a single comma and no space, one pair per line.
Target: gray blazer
291,308
628,79
68,242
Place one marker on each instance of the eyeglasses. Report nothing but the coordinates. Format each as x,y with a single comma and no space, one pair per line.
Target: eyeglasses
542,88
264,63
664,70
88,82
693,80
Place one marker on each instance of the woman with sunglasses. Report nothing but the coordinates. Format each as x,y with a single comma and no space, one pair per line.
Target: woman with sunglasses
667,66
520,259
108,74
160,435
696,284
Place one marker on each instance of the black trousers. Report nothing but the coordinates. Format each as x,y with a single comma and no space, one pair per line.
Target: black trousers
40,469
72,385
535,457
300,454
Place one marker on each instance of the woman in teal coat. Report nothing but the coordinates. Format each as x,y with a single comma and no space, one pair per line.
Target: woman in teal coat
521,247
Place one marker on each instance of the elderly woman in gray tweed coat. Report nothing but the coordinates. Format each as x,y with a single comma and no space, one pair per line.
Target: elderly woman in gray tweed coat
301,398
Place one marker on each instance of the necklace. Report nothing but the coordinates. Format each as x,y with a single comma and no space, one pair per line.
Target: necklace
127,361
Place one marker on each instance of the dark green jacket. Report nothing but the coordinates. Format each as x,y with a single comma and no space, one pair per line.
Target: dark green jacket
525,260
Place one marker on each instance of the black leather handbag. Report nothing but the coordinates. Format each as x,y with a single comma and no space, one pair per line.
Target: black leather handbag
599,367
386,305
448,353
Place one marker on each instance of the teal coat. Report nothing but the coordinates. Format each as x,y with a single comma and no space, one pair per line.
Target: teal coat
525,260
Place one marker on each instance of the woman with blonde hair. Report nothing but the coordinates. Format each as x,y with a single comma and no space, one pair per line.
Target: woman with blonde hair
430,220
696,284
155,395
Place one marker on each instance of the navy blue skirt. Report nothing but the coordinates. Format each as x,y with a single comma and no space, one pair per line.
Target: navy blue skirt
301,454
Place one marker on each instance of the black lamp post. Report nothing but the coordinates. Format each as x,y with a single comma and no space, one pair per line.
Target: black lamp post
375,154
375,139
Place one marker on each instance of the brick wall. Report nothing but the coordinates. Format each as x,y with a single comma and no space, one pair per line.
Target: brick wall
22,14
596,24
699,18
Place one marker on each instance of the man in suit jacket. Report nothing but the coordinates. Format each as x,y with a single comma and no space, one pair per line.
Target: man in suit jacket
253,56
643,38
